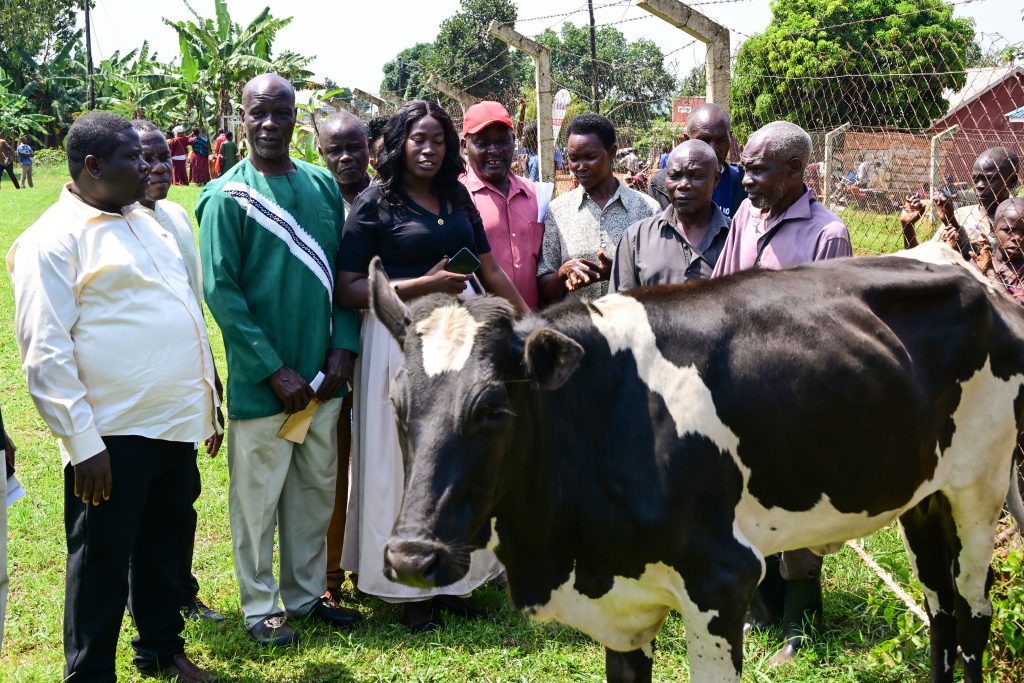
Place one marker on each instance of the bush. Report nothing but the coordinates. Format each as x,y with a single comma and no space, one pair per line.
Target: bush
51,157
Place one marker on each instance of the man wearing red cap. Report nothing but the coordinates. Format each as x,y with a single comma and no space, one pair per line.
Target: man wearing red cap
507,203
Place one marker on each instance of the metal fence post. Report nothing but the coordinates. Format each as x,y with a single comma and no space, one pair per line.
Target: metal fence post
829,180
545,93
935,169
704,29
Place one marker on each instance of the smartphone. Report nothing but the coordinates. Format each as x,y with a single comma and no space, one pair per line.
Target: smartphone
463,263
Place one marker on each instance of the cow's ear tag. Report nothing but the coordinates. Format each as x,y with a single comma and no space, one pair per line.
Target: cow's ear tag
386,304
551,357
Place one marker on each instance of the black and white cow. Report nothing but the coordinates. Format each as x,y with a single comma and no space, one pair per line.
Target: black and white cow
645,452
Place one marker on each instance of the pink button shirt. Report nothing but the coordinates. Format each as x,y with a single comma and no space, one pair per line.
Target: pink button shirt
512,229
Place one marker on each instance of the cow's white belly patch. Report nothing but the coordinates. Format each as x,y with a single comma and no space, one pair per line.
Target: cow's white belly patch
447,336
629,616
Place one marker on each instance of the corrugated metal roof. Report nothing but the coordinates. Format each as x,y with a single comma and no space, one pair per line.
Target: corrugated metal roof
1017,113
979,81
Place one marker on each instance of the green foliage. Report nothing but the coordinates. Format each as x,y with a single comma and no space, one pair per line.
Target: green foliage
57,86
694,84
1007,642
406,75
635,87
218,56
16,117
34,27
821,63
51,157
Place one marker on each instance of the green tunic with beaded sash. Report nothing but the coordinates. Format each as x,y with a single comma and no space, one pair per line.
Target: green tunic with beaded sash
269,247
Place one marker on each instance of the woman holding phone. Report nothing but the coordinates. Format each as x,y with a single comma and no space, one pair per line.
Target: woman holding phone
415,216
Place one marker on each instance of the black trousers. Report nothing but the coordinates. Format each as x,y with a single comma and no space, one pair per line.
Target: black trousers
189,582
10,171
137,536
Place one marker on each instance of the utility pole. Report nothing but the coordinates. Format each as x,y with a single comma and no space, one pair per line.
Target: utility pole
88,56
595,100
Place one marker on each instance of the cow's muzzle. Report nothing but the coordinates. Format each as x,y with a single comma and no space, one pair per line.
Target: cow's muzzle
422,563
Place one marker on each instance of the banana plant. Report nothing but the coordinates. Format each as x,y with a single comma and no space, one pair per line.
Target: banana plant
16,115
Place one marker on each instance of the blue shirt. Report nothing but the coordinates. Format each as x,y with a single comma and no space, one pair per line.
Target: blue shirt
729,192
663,162
24,154
533,167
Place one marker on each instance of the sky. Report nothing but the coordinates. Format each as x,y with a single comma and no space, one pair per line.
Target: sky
355,38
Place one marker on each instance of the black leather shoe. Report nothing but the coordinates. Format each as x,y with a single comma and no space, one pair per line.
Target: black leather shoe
196,610
181,669
330,612
273,630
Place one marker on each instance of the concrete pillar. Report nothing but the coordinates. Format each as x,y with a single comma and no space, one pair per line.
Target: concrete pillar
545,93
464,99
828,182
935,170
383,106
709,32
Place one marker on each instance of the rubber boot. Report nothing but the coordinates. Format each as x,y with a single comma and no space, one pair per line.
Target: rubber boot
766,608
803,611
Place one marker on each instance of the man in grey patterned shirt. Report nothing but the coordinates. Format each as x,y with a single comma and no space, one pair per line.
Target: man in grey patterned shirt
583,227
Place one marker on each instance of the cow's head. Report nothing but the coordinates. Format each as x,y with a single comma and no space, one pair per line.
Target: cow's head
469,371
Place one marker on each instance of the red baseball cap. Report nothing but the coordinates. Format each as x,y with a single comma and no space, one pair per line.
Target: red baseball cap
483,114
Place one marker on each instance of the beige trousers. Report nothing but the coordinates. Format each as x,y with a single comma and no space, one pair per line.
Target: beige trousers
275,482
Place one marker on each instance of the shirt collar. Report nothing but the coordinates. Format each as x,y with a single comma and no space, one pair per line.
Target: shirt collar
719,222
86,212
617,195
801,208
475,183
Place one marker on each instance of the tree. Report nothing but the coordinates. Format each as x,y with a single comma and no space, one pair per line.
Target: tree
634,85
694,84
125,83
16,115
406,74
467,55
36,27
56,86
821,63
219,56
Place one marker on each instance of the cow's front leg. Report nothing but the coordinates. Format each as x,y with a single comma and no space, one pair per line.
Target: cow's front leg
634,666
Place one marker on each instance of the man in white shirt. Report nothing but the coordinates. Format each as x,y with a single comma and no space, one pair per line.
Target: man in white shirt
174,219
114,348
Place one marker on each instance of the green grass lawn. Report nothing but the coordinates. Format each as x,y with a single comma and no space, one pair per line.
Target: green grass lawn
868,635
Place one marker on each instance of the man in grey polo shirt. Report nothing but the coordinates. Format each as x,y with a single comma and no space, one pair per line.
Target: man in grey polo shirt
683,241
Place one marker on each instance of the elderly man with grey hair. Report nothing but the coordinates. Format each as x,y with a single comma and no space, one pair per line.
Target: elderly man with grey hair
683,241
781,225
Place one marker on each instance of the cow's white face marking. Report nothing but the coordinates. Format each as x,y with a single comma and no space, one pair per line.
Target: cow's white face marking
629,616
447,334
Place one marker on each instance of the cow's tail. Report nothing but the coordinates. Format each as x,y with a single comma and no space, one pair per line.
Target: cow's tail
1015,498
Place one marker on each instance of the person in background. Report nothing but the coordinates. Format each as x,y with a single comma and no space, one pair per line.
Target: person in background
200,167
175,221
345,147
413,217
1004,264
663,159
228,153
7,161
583,226
682,242
995,175
375,131
507,203
25,154
781,225
710,123
269,234
529,143
114,347
179,156
215,160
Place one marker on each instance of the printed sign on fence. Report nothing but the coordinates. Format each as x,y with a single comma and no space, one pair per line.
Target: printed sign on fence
558,109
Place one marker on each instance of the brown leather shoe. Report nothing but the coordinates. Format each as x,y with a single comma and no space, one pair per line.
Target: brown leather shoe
181,669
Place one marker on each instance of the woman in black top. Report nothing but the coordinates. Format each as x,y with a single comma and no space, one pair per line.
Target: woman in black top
415,216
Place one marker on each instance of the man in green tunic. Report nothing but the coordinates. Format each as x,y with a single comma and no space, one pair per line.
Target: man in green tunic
270,230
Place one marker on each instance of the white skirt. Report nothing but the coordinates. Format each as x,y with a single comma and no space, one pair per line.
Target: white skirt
377,479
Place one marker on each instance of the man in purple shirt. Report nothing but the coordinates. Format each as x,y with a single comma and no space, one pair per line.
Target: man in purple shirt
781,225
